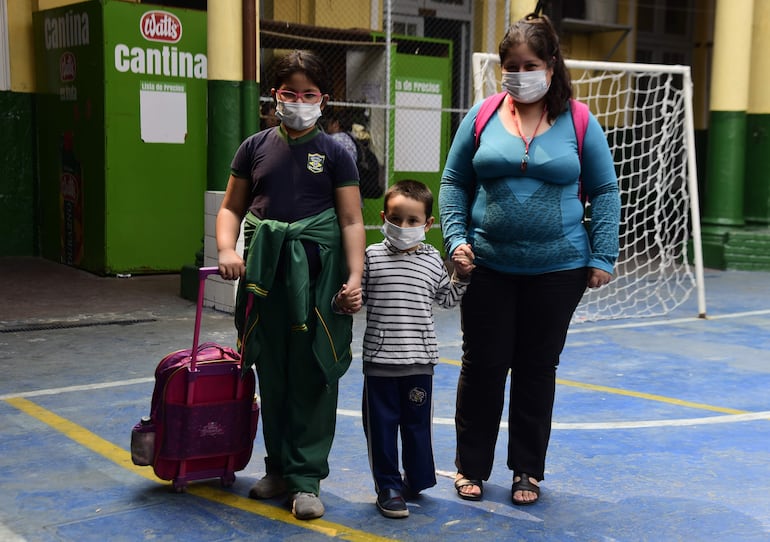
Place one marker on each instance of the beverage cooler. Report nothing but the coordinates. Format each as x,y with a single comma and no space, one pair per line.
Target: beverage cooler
121,119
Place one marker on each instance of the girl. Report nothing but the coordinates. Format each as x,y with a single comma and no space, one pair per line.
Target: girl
298,192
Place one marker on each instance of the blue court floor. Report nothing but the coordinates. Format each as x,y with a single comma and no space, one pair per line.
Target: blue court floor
661,428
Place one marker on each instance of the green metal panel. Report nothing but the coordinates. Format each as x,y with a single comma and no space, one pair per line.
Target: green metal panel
155,112
70,121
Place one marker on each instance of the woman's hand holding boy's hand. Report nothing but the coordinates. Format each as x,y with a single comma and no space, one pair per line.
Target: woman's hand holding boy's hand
462,258
349,300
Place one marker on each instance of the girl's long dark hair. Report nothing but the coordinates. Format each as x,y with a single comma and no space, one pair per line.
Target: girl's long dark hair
537,32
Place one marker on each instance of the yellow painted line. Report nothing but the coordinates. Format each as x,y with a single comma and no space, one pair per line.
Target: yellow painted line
122,458
630,393
649,396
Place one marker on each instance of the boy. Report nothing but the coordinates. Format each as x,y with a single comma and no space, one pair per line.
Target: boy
402,279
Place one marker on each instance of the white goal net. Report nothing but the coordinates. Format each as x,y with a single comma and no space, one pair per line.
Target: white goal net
646,113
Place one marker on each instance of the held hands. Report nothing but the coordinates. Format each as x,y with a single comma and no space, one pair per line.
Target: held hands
462,258
349,301
598,278
231,265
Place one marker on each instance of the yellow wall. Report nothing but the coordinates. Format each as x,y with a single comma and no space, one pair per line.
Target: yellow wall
225,41
520,8
341,15
21,46
759,95
701,58
730,68
324,13
21,43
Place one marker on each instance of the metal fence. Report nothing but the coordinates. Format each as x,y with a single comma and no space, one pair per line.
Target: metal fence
403,89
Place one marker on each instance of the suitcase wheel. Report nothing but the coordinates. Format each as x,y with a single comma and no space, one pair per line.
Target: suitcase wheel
228,480
179,486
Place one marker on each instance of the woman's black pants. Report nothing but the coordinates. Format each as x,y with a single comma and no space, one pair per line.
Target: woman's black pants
515,323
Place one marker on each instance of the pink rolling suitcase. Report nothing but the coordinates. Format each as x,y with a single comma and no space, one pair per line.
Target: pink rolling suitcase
203,415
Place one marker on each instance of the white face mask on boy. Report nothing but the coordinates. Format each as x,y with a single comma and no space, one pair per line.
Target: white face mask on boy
298,115
526,87
403,238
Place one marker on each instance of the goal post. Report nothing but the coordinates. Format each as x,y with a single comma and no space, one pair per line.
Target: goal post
646,112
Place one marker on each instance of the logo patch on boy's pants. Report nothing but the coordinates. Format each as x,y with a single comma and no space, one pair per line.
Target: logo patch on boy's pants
315,162
418,396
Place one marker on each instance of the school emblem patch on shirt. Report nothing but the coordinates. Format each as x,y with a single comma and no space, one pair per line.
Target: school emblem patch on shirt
315,162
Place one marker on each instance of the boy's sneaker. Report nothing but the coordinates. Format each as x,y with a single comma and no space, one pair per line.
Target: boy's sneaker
306,506
270,486
391,504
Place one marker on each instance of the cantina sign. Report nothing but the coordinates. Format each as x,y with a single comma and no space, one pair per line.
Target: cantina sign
71,29
66,30
168,61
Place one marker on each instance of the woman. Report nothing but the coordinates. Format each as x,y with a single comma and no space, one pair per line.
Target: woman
510,211
298,191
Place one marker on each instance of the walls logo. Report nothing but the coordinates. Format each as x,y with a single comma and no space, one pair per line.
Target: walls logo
67,67
166,60
161,26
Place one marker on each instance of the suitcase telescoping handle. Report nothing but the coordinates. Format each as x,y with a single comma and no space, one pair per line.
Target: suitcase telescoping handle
203,273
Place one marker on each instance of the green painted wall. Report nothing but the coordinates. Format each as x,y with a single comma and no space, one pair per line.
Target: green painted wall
757,186
17,175
726,166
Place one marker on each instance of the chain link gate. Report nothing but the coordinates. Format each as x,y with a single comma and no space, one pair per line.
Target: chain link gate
401,77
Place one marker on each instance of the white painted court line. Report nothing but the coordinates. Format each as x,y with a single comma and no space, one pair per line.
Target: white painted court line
729,418
6,535
708,420
579,328
83,387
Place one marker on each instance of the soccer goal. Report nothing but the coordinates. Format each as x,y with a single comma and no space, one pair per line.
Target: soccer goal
646,113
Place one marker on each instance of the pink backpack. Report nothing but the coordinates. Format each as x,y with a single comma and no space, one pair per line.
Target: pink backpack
579,119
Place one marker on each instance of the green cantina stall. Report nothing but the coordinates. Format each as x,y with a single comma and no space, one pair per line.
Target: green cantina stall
122,135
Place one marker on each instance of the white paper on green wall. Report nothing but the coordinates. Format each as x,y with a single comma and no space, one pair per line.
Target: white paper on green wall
418,126
163,112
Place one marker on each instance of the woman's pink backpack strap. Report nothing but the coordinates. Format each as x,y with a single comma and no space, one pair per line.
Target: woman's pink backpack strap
490,104
580,120
487,109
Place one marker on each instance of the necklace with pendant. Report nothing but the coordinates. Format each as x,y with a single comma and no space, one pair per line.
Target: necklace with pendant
527,140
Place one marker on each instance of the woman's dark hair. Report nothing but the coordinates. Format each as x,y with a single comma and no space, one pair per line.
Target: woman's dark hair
305,62
341,115
411,189
537,32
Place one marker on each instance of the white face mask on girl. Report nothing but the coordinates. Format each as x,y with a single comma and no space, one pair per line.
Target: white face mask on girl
526,87
298,115
403,238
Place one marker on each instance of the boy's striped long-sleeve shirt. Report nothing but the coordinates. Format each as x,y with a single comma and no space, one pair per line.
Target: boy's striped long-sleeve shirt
400,289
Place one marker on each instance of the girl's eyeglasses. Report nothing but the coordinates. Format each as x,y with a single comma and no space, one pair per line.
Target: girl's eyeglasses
291,96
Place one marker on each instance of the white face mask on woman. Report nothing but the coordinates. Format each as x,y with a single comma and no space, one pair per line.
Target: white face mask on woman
403,238
298,115
526,87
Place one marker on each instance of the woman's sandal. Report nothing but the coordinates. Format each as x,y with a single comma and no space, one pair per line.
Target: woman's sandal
467,482
524,485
